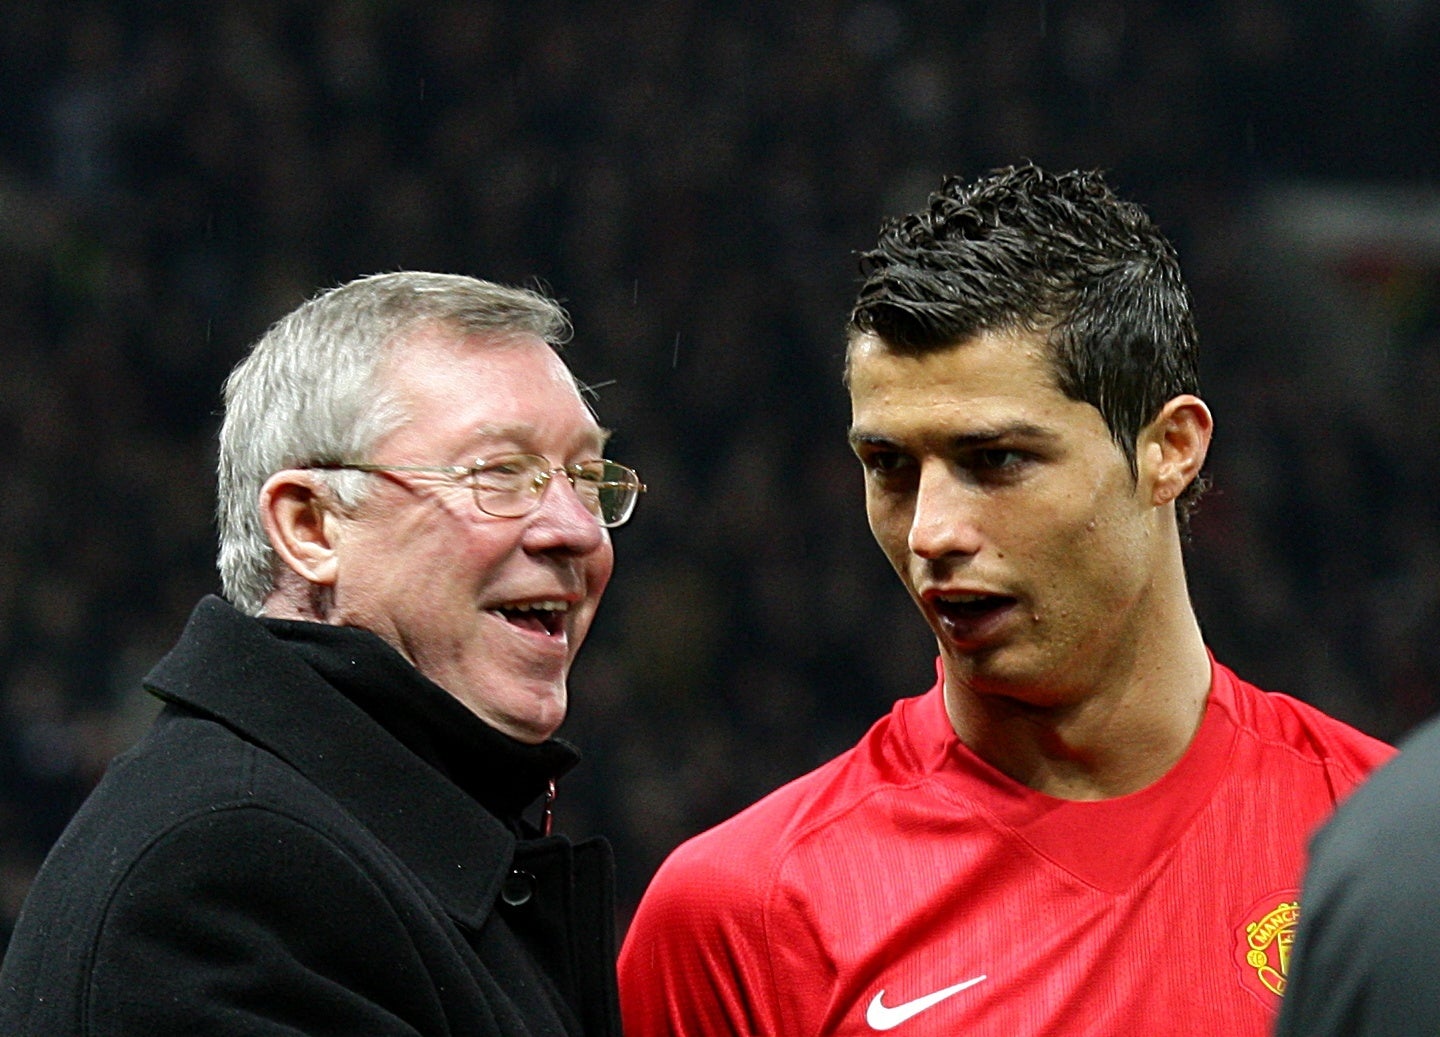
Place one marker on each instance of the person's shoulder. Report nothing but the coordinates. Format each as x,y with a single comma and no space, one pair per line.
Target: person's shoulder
734,853
183,763
1405,792
186,769
715,890
1285,719
740,857
247,876
189,814
186,761
1290,725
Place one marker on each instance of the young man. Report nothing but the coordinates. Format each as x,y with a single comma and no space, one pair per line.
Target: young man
322,833
1088,825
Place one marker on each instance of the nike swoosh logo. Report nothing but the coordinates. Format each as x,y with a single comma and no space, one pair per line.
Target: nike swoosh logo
881,1017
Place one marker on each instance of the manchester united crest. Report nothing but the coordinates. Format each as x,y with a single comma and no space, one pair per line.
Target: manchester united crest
1263,946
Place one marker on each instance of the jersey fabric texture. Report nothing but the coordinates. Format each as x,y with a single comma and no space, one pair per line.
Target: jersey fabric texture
909,886
1368,950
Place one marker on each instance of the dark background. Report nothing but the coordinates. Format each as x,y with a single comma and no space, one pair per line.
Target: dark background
693,179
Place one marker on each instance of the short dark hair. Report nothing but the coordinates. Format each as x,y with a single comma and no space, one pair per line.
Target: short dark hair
1023,249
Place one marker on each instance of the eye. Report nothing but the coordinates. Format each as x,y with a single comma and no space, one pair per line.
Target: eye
518,464
881,460
998,459
997,464
885,465
594,472
508,473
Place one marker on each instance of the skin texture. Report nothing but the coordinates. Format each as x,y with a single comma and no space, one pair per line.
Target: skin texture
416,561
1051,576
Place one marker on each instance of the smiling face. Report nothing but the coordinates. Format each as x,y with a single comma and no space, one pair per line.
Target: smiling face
1042,564
491,609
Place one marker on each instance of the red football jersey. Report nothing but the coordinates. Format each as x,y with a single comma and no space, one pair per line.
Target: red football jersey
908,885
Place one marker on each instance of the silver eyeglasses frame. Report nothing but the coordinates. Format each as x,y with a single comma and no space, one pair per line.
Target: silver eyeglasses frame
512,485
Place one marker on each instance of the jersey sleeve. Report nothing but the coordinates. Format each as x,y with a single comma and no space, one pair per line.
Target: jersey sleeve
1352,755
694,962
1348,754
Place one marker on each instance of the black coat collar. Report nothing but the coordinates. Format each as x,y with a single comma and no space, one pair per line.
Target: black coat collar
228,666
505,775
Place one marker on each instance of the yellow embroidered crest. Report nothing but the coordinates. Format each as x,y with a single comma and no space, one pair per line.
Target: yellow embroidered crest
1263,950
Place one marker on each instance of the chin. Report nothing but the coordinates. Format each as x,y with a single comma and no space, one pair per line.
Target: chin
992,664
529,735
541,721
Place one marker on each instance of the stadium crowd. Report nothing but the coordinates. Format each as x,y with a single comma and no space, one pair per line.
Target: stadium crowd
692,180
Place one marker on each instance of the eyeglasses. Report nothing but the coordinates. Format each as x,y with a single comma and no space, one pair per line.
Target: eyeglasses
511,486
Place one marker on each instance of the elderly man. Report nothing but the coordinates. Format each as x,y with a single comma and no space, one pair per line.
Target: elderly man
331,827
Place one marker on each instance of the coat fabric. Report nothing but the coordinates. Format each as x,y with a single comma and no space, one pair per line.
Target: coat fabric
272,859
1367,949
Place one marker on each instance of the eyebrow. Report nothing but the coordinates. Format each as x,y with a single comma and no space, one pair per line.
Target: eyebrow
968,440
518,433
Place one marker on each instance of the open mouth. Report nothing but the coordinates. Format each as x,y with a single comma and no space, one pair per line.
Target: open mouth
541,617
963,612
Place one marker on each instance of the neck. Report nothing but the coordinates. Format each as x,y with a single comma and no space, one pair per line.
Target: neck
295,598
1111,727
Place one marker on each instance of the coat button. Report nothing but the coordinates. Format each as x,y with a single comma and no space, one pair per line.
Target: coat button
518,888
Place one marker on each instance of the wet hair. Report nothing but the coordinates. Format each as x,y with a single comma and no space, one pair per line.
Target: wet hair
1021,249
309,393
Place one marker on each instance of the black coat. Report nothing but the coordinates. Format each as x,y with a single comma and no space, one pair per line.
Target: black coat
271,860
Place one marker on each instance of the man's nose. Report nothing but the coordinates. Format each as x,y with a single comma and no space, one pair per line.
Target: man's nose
563,519
946,518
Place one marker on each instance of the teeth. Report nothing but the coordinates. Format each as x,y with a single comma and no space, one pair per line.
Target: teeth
538,606
962,599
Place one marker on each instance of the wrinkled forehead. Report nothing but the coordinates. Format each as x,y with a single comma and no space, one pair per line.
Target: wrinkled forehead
433,350
505,387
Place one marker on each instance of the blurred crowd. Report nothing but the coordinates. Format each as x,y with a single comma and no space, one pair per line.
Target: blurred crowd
692,180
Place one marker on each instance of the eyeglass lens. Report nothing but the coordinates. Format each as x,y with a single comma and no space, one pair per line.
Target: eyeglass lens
509,487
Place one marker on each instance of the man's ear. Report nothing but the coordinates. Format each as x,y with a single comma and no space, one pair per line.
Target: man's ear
1174,445
299,514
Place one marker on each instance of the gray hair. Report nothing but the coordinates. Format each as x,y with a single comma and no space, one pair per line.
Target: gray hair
307,394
